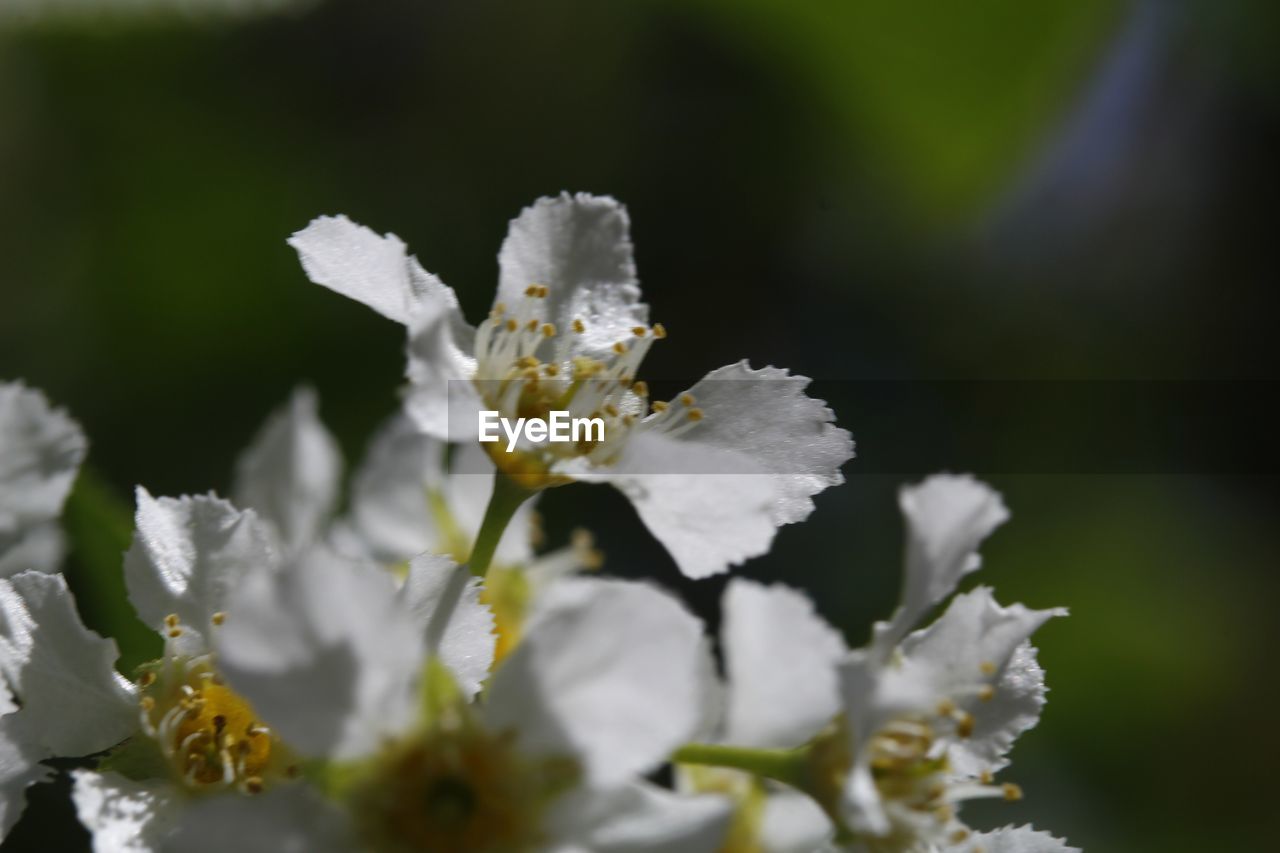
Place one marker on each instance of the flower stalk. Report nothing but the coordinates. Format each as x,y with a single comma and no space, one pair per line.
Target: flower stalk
507,497
789,766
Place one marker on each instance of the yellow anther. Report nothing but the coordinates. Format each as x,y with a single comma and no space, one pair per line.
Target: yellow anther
640,389
499,308
147,703
986,693
628,420
578,326
659,406
959,836
512,325
611,410
687,399
552,369
532,325
253,785
638,331
548,330
946,708
964,724
218,618
987,667
1012,792
531,290
527,362
986,777
619,347
147,679
694,415
171,621
174,633
659,331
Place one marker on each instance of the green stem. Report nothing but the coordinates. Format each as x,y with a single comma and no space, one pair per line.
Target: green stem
506,499
784,765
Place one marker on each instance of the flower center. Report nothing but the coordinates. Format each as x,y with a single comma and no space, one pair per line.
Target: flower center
209,733
457,788
527,368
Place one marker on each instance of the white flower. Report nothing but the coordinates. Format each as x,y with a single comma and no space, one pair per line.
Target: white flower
405,501
606,682
930,719
712,474
888,739
186,733
41,449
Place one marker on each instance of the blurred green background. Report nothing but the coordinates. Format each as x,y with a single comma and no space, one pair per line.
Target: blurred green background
1066,189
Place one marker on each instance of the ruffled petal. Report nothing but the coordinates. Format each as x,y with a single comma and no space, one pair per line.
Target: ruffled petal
977,656
440,398
38,547
292,819
1021,839
325,651
609,672
123,815
187,554
947,517
780,660
639,818
712,509
291,473
579,246
73,701
444,599
353,260
41,449
766,415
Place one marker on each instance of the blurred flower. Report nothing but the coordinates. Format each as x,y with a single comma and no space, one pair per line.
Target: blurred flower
185,732
889,740
608,680
405,501
41,449
712,473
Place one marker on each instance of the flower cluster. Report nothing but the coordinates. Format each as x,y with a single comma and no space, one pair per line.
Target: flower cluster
408,668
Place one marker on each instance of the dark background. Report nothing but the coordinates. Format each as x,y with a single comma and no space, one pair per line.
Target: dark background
1055,192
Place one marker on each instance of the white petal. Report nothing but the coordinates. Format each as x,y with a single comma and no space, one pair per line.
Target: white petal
19,770
579,246
444,599
441,398
391,513
947,517
291,819
354,261
641,817
974,644
1022,839
187,554
793,823
609,672
467,491
38,547
123,815
73,701
765,414
291,473
41,449
780,660
712,509
325,651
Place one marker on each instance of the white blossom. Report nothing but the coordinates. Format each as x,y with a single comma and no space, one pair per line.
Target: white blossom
712,473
